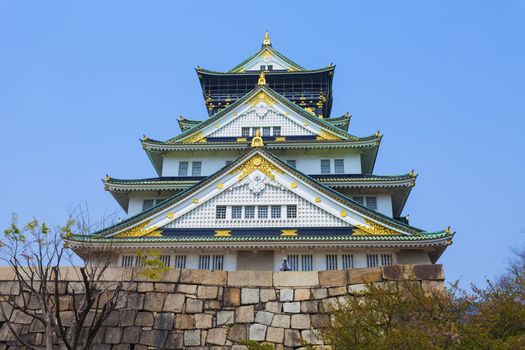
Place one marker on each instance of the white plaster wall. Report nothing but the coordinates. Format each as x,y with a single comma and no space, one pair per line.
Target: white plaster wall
384,204
136,200
210,164
413,257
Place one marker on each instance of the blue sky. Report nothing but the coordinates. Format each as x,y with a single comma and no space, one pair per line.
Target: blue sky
444,81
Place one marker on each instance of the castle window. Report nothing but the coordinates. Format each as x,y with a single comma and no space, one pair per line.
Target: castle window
276,131
179,261
293,262
386,259
147,204
220,212
196,168
307,262
183,168
276,211
339,166
348,261
331,261
217,262
165,260
236,212
266,131
325,166
249,212
291,163
372,260
204,262
262,212
128,261
245,132
291,211
371,202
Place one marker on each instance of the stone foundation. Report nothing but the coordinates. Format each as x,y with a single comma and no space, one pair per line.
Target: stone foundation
196,309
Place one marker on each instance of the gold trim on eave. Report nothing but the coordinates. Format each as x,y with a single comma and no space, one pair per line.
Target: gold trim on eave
324,135
140,231
197,137
375,229
256,162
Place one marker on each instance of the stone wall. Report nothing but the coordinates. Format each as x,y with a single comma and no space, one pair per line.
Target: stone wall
196,309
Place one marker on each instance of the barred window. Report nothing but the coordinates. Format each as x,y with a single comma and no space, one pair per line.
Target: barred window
245,132
220,212
217,262
179,261
359,200
147,204
236,212
293,262
307,262
276,131
348,261
325,166
165,260
291,163
183,168
262,212
128,261
386,259
266,131
249,212
372,260
339,166
291,211
371,202
276,211
204,262
331,261
196,168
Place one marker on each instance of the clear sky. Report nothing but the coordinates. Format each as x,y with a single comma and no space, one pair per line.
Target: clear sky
444,81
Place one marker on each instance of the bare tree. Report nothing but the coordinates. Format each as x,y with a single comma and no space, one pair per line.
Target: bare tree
35,253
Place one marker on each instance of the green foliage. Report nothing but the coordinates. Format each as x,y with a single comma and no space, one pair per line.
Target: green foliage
253,345
151,266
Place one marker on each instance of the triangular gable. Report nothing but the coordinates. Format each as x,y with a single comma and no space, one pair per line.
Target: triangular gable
257,161
261,101
267,55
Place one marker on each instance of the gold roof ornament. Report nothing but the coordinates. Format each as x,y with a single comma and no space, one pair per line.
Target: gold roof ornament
378,133
144,138
411,174
266,41
181,117
107,178
257,140
262,79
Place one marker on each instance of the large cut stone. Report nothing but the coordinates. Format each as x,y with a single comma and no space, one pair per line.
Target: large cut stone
205,277
135,301
144,319
155,338
238,333
319,293
113,335
429,272
336,291
127,318
250,278
332,278
154,301
268,294
320,320
217,336
301,321
131,335
174,302
257,332
183,321
203,321
225,318
165,287
192,338
249,296
244,314
187,288
275,335
193,306
294,307
292,338
398,272
232,297
281,321
366,275
433,286
296,279
207,292
357,288
310,307
264,317
164,320
302,294
273,306
310,337
286,295
175,341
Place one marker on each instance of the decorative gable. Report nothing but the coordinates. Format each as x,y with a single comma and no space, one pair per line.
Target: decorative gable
267,58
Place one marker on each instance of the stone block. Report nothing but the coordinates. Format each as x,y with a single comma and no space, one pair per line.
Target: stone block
145,287
275,335
296,279
144,319
398,272
239,347
172,275
319,293
294,307
310,337
212,305
433,286
203,321
310,307
187,288
155,338
154,301
238,333
225,318
113,335
135,301
204,277
336,291
232,297
302,294
320,320
292,338
217,336
112,320
268,294
244,314
366,275
329,304
21,318
264,317
273,306
281,321
286,295
174,302
357,288
192,338
175,341
249,296
9,288
131,335
207,292
165,287
257,332
193,306
332,278
183,321
250,278
429,272
300,321
164,320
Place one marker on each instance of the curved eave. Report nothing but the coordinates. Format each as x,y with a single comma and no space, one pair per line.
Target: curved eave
209,72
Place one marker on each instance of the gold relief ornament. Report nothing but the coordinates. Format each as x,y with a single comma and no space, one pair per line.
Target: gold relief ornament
222,233
324,135
289,233
140,231
260,97
195,138
374,229
257,162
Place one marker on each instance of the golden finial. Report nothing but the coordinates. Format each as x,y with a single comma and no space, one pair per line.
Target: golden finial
144,138
347,114
257,140
447,230
181,117
266,41
262,79
411,173
108,178
378,133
